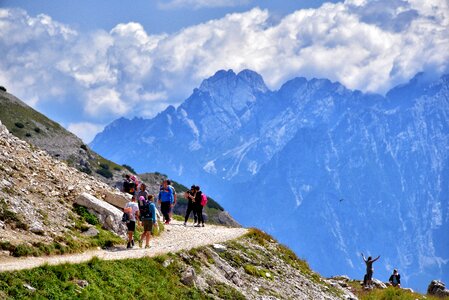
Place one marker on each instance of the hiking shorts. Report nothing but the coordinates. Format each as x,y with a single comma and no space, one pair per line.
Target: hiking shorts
147,225
131,226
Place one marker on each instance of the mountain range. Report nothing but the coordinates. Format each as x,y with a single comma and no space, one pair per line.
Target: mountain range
329,171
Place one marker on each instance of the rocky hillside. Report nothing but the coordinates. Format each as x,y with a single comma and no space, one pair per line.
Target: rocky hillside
31,126
38,130
38,194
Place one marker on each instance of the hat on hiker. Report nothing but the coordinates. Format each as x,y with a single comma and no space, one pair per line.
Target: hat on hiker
141,198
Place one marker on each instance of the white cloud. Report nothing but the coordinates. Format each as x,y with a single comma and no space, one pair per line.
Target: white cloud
367,45
84,130
197,4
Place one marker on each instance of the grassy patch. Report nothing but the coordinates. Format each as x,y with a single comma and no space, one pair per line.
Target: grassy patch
226,292
144,278
257,271
391,293
85,214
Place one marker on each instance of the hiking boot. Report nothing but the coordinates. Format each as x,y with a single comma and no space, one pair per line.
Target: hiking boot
166,222
147,247
140,244
203,225
185,224
198,225
128,246
132,243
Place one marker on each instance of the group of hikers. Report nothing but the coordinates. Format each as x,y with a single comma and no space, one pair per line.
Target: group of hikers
142,207
394,280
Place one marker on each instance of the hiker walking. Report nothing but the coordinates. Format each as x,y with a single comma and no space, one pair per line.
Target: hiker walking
132,209
199,206
368,279
165,200
395,279
147,211
175,199
190,196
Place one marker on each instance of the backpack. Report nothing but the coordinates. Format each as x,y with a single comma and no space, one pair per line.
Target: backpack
203,199
125,218
145,211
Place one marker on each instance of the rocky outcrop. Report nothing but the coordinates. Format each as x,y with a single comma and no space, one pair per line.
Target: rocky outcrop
109,216
437,288
37,193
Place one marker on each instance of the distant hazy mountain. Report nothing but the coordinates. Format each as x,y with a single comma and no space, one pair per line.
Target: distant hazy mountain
330,171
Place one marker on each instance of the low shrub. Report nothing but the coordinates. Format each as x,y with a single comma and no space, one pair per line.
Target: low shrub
105,173
19,125
37,129
129,168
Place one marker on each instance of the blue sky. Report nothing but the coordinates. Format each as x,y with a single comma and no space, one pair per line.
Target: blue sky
86,63
155,16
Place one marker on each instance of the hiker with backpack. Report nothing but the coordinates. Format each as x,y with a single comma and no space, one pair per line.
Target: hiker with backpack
132,211
166,200
395,279
190,196
368,279
200,202
147,211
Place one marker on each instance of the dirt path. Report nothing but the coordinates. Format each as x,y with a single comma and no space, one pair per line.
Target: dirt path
175,238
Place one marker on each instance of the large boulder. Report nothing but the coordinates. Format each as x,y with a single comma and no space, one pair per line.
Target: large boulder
116,198
109,216
437,288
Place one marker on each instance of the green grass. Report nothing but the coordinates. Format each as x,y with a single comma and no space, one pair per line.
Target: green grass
21,119
391,293
144,278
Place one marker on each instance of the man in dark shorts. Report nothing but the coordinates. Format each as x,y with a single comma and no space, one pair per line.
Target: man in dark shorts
147,218
367,281
132,209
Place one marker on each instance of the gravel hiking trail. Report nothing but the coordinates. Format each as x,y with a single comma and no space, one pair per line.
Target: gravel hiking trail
175,238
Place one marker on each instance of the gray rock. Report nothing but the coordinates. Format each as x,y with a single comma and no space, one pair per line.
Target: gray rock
219,247
188,277
82,283
437,288
92,231
37,228
110,216
117,198
379,284
29,287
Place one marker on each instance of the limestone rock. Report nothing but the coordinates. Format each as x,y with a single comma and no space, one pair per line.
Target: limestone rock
437,288
219,247
116,198
92,231
105,211
188,277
